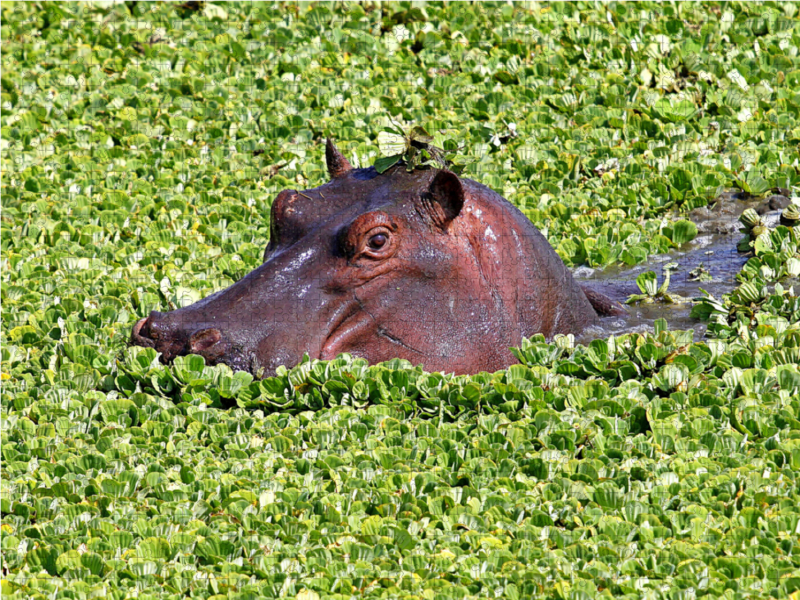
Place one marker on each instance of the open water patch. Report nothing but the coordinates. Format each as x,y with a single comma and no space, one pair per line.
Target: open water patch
710,262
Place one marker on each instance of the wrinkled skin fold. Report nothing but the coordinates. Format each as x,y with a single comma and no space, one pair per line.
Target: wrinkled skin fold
425,266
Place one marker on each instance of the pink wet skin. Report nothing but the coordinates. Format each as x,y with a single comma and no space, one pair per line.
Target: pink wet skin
425,266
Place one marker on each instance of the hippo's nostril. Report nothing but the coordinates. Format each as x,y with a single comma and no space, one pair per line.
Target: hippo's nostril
203,340
141,336
137,329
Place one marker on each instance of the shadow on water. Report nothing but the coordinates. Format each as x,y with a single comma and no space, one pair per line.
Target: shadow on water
713,250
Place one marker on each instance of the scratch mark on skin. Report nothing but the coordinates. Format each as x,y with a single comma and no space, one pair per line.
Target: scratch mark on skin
381,330
395,340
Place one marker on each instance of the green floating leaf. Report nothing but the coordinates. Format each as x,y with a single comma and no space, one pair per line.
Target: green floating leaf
215,550
391,144
681,181
609,496
230,386
683,231
68,561
94,563
43,558
418,134
384,164
154,549
682,110
647,283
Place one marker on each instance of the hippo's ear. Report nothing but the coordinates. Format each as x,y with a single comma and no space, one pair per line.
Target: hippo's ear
444,199
337,163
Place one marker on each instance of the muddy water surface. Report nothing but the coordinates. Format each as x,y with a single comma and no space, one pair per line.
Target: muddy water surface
714,250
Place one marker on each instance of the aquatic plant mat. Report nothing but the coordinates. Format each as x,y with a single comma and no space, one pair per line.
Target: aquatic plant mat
142,145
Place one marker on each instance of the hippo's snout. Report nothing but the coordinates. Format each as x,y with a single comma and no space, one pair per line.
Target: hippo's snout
140,336
155,332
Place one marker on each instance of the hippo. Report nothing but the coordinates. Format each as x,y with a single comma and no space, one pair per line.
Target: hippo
421,265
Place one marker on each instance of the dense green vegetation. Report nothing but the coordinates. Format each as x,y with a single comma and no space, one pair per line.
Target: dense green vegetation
142,145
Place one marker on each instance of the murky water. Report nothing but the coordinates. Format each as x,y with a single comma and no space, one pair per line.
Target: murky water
714,250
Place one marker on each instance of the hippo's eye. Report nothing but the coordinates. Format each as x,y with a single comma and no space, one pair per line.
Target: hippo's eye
378,241
372,236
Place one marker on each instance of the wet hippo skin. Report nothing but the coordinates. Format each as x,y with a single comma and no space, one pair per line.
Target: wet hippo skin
421,265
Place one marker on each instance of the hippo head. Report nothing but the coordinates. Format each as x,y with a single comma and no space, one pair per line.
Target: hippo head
420,265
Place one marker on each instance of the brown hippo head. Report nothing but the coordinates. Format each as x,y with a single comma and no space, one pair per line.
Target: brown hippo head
419,265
